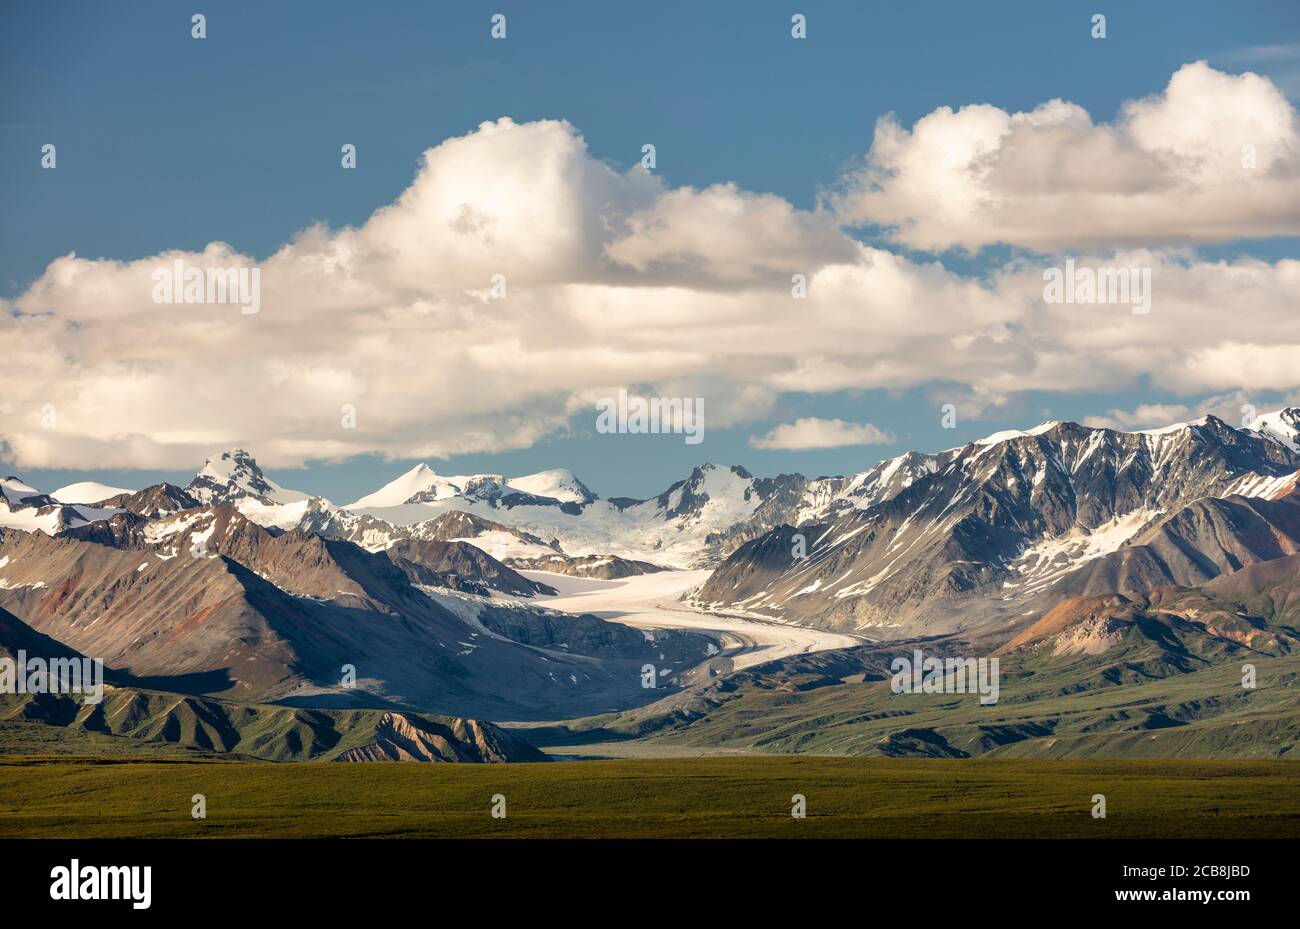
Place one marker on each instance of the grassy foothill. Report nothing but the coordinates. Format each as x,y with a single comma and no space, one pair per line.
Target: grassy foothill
717,797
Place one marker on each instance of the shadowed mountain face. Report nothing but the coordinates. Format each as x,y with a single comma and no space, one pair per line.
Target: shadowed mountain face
976,543
268,732
16,636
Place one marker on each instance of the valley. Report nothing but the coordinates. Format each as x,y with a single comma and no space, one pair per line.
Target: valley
731,421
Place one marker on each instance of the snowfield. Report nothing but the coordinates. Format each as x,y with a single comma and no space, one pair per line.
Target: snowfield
651,601
87,492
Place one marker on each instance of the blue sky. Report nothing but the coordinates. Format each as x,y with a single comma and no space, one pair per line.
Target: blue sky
165,142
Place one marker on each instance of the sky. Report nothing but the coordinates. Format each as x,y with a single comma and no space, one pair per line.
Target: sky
920,164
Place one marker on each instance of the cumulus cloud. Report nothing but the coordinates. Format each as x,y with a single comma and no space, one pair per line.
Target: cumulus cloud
611,279
1213,157
523,200
398,319
811,432
729,234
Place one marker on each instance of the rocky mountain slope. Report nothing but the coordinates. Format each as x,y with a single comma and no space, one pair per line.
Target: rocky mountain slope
246,730
985,532
206,601
154,501
459,566
498,540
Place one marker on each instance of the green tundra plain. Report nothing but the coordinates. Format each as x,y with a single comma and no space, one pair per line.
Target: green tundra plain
704,797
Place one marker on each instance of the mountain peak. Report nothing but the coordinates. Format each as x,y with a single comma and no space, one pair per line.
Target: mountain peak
234,474
420,481
223,463
15,490
1281,426
556,483
707,467
1009,434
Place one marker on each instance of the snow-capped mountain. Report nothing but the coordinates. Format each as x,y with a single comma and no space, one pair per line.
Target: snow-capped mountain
833,496
556,484
24,507
238,587
87,492
1282,427
497,539
1074,494
17,494
232,476
420,480
422,484
1020,515
689,524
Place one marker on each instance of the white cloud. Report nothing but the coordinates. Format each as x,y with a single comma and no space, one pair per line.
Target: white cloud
730,235
811,432
1170,169
613,279
525,200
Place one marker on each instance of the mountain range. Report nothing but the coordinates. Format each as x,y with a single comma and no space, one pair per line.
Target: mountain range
977,539
1061,547
1152,676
